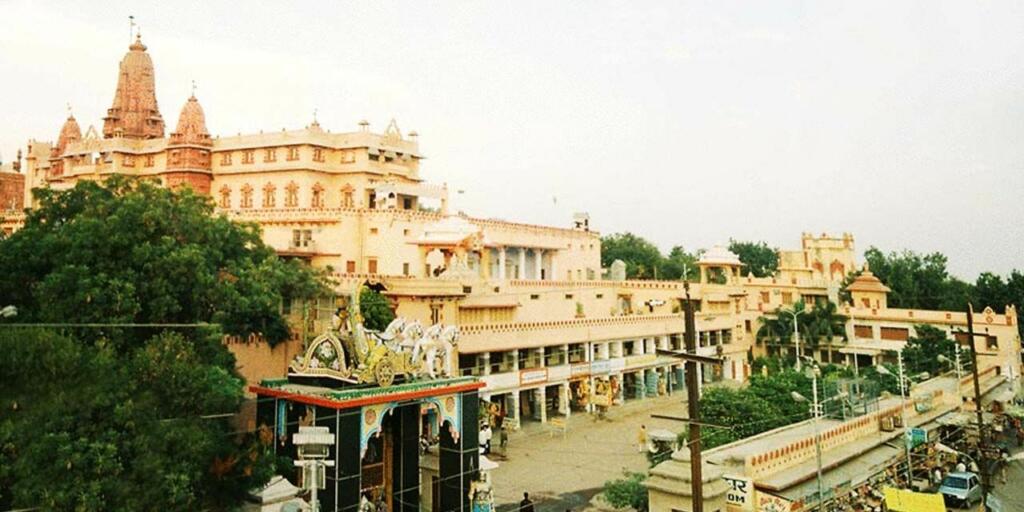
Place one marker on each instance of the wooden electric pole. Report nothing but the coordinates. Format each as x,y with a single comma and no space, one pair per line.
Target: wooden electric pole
691,359
982,445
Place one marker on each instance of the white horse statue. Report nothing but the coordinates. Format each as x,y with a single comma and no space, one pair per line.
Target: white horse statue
437,343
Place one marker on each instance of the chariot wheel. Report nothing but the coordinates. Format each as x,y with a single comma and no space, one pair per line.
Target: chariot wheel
384,372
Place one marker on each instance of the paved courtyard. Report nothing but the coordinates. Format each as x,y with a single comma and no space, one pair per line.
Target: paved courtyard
565,473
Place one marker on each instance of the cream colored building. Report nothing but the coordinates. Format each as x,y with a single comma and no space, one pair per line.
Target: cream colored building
539,322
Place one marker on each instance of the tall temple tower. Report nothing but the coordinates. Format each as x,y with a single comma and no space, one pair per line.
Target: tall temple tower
188,159
135,114
69,134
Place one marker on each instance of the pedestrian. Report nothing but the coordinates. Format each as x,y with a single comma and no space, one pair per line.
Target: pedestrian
503,438
485,439
937,477
961,467
641,439
1004,462
526,505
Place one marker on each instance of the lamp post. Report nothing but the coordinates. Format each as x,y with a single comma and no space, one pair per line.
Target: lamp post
796,332
816,410
956,364
313,445
903,415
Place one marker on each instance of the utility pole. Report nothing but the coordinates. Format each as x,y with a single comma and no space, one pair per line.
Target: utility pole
691,359
692,405
983,463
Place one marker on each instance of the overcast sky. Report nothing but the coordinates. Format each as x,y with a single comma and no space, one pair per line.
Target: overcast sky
687,123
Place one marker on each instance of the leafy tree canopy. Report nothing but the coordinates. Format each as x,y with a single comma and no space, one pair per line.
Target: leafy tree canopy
640,256
628,491
757,257
133,418
128,251
643,259
376,309
917,281
85,427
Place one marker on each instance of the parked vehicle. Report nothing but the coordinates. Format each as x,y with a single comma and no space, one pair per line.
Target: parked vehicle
961,489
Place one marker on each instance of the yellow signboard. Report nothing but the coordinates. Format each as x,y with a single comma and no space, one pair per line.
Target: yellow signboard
900,500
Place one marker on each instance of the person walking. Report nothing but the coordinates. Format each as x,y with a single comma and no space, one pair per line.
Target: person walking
526,505
485,439
641,439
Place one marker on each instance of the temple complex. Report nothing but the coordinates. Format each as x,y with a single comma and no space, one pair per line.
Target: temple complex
546,329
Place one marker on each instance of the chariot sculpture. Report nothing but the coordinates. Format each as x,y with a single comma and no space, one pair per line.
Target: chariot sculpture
351,353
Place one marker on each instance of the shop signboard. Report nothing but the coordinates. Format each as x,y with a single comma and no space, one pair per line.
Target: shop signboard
601,367
902,500
579,370
632,361
533,376
616,365
739,495
916,437
772,503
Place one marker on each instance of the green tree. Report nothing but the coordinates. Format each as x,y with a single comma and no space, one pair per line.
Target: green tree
822,324
376,309
921,352
917,281
128,251
757,257
642,258
87,427
627,492
680,265
132,418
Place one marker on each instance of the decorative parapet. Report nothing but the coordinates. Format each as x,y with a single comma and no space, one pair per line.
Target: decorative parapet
567,324
981,318
760,464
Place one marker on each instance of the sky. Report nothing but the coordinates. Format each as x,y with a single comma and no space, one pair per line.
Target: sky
688,123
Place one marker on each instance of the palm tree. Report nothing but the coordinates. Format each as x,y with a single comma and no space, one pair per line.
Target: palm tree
823,325
777,327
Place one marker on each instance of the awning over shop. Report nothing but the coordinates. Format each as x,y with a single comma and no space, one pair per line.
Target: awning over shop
872,347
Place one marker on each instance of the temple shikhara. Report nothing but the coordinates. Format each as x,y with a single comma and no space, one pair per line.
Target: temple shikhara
542,328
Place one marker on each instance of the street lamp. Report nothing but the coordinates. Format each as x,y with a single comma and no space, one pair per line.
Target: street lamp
903,415
816,410
956,364
796,332
313,445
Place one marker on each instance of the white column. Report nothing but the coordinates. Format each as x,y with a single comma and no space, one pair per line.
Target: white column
554,269
564,405
542,403
517,421
538,254
521,271
485,362
501,263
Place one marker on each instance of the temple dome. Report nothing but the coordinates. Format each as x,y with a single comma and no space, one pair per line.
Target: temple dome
134,113
69,133
867,282
719,255
191,124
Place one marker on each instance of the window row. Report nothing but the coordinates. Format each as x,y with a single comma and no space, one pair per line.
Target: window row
290,153
291,196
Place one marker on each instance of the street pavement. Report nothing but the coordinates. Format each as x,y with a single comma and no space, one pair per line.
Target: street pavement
562,474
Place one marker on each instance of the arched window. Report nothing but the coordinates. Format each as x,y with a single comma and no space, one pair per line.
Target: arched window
317,200
346,196
225,197
246,196
291,195
269,195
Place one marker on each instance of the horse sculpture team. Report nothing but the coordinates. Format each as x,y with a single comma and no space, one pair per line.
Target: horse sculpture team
431,349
